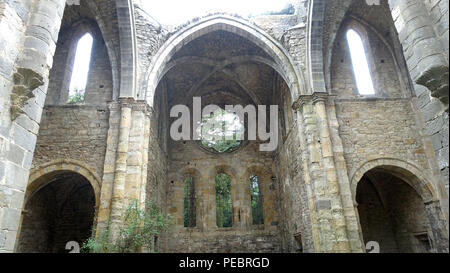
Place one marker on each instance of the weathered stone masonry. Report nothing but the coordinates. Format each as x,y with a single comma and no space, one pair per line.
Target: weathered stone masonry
348,168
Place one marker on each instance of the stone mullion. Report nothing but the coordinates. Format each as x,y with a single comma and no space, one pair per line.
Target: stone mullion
240,195
338,220
246,205
118,197
207,200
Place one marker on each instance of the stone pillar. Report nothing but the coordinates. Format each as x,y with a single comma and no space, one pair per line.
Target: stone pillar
32,28
424,51
330,219
146,143
207,200
118,205
422,35
109,166
438,226
310,204
125,175
354,232
136,153
338,220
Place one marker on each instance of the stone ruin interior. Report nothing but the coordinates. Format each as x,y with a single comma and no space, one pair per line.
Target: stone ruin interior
349,168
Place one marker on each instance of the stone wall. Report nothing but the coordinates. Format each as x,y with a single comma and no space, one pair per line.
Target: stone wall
73,132
295,217
422,28
438,10
156,190
150,37
188,157
26,59
380,128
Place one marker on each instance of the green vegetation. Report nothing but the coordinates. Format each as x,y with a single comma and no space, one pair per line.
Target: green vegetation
224,207
139,229
78,96
257,208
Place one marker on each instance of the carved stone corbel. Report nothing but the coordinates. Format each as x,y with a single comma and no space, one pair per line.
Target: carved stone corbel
25,81
436,80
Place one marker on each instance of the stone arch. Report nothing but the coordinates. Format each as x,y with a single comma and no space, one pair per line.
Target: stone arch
108,39
283,61
406,171
226,169
41,176
413,220
315,46
61,86
365,29
128,48
51,217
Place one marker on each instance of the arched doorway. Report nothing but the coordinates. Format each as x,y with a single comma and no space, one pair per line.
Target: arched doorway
393,213
60,207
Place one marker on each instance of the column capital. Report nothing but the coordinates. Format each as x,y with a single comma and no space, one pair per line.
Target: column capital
319,97
312,98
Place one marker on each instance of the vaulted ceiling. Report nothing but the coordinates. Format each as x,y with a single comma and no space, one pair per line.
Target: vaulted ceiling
222,68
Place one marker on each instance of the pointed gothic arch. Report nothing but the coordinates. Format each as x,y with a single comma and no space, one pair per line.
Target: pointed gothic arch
283,63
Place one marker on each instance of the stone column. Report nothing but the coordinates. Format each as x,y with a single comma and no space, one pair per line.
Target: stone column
338,219
424,51
425,48
109,166
438,226
32,28
304,154
330,219
118,194
125,171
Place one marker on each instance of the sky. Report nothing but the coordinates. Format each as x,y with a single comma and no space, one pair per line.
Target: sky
360,65
81,64
176,12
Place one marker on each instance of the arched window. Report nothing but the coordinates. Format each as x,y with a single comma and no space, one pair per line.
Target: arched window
224,206
189,203
80,70
256,199
360,64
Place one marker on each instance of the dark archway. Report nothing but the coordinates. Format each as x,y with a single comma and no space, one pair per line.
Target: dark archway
61,211
393,214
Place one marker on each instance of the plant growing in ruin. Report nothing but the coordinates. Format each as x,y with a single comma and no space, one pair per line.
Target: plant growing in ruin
138,231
